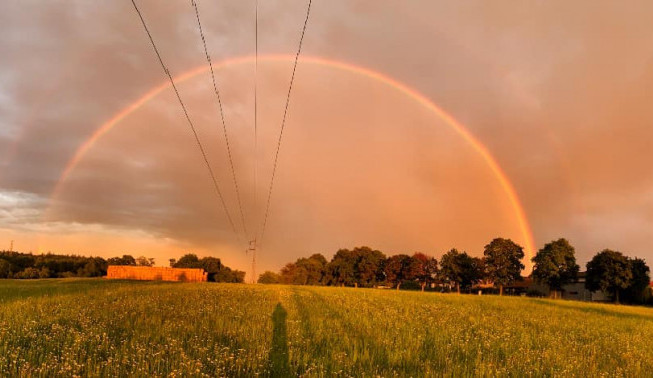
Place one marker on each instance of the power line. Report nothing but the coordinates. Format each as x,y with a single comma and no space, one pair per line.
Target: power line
256,114
253,242
283,122
224,126
190,123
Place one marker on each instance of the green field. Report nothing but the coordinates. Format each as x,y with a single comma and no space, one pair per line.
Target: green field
113,328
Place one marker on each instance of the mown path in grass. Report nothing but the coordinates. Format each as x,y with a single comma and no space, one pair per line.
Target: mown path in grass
113,328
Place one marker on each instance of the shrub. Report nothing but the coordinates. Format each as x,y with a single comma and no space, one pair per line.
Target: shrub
5,268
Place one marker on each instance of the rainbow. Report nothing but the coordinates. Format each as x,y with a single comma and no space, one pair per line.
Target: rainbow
366,72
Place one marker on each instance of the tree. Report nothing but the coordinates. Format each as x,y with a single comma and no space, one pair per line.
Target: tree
341,268
144,261
636,291
269,278
555,265
460,269
368,266
172,262
49,265
428,269
312,270
609,271
305,271
211,265
124,260
93,268
503,262
228,275
5,268
188,260
216,271
400,268
293,275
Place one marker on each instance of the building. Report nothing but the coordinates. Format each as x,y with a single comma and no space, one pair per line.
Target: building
150,273
575,290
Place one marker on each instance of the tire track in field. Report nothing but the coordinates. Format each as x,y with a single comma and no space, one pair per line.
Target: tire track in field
332,339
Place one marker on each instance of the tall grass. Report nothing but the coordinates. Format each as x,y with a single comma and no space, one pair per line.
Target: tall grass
110,328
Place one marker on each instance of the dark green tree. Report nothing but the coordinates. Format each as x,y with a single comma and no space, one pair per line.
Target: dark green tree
400,268
18,261
502,258
312,270
294,275
460,270
49,265
188,260
609,271
341,269
636,292
428,269
216,271
124,260
211,265
144,261
95,267
5,268
555,265
368,266
228,275
477,272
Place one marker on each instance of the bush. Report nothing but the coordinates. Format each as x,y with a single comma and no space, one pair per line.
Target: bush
5,268
269,278
411,285
44,272
28,273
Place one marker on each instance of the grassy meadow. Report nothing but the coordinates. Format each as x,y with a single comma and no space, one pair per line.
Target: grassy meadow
116,328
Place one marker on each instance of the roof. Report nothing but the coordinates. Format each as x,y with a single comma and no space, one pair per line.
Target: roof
523,283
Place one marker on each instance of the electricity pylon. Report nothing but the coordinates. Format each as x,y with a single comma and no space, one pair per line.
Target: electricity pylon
252,248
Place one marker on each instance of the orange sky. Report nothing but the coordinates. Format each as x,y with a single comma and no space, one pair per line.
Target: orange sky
557,93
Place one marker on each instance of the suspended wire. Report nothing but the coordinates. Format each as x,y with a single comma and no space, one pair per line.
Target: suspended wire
224,125
253,245
190,123
283,122
256,114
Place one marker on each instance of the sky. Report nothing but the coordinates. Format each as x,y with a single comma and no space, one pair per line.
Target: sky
557,94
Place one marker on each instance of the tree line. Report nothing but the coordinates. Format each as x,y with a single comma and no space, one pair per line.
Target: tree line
620,277
216,271
30,266
27,266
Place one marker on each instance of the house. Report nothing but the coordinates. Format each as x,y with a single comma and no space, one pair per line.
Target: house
575,290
